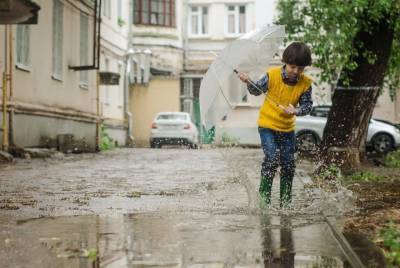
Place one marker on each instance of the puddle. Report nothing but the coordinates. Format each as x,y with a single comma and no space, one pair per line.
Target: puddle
175,240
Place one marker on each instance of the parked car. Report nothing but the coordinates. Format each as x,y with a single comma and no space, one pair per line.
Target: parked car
382,137
174,128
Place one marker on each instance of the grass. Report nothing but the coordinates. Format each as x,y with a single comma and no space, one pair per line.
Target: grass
393,159
363,176
391,243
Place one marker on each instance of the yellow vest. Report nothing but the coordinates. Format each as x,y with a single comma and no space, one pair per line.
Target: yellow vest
273,117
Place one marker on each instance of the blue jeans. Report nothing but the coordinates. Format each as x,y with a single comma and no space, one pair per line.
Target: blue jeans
278,149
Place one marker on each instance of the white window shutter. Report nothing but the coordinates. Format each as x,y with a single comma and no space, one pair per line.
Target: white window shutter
57,38
84,33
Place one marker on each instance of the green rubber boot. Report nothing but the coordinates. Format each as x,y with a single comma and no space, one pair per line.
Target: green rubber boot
265,189
286,192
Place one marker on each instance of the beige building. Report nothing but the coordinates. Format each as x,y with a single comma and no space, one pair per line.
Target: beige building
211,26
157,62
386,108
115,33
47,97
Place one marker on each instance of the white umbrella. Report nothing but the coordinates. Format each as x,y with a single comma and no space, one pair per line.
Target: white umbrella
220,89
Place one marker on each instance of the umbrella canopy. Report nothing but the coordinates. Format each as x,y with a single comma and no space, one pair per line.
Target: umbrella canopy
220,89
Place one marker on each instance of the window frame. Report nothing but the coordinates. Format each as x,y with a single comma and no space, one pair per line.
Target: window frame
168,8
23,55
187,106
107,63
120,17
200,20
84,49
107,9
236,13
120,69
57,36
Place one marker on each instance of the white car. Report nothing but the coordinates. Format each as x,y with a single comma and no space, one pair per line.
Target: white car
382,137
173,128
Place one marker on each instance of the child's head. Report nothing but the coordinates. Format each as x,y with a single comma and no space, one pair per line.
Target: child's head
297,53
296,57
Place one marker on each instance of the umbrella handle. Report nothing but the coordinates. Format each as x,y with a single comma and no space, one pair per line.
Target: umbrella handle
255,85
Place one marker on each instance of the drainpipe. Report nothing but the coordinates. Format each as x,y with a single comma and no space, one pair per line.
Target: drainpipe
4,121
10,99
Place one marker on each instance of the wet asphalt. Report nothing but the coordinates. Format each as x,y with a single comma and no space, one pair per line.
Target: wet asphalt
169,207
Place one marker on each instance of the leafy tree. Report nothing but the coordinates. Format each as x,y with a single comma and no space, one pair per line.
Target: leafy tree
357,47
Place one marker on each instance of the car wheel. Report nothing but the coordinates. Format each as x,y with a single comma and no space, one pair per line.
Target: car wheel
306,142
193,146
155,144
382,143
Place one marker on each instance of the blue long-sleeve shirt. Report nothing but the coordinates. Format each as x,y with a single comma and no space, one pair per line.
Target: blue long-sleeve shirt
305,101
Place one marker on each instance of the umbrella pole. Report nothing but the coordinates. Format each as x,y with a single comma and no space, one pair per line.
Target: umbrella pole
266,96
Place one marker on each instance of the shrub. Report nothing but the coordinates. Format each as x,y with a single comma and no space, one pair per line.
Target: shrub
229,140
106,142
391,242
393,159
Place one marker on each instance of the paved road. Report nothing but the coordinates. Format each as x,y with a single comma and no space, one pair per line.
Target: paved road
156,208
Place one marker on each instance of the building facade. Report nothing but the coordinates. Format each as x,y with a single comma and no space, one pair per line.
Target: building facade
47,99
210,27
158,52
115,33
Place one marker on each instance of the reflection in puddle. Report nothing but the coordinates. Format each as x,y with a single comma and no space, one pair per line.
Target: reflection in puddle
280,250
180,240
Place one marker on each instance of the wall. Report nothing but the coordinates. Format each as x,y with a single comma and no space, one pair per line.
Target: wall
161,95
45,105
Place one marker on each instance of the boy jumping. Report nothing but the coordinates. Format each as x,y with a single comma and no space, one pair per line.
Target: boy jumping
285,87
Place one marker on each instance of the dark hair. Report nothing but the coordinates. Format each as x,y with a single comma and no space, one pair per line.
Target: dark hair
297,53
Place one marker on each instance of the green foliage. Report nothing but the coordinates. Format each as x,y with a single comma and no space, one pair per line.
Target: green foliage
328,178
208,135
363,176
90,254
392,159
121,22
330,27
332,172
106,142
228,140
391,241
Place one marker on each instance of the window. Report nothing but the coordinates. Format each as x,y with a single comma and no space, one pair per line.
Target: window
106,88
236,19
187,106
57,39
154,12
23,40
187,88
84,51
107,8
320,111
119,13
119,8
182,117
121,85
198,20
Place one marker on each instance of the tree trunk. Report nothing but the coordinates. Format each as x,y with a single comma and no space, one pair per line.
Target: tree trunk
347,126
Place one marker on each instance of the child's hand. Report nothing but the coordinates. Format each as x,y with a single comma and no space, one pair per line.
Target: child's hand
289,110
244,77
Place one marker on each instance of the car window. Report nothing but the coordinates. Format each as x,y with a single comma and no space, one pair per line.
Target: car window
172,117
320,111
